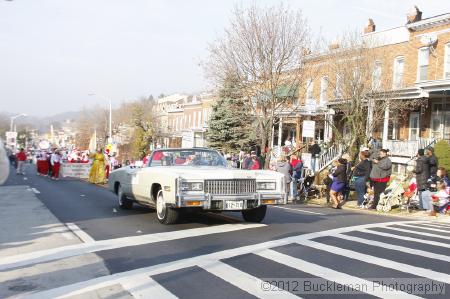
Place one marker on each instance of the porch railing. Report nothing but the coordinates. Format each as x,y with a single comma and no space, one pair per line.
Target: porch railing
408,148
325,159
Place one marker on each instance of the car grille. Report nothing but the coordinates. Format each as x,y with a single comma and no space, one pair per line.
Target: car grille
235,186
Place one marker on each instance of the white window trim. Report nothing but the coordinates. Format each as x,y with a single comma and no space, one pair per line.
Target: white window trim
395,68
412,114
446,58
418,60
309,89
377,63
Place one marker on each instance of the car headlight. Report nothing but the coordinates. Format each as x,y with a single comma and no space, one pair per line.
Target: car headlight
191,186
266,185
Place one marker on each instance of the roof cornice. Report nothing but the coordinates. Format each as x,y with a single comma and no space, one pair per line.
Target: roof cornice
430,22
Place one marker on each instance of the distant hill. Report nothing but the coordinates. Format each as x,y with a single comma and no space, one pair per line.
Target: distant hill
42,124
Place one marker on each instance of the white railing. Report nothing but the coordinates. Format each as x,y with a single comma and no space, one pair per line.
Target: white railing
328,156
408,148
276,151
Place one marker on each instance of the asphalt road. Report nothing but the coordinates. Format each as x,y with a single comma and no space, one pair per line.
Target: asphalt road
221,256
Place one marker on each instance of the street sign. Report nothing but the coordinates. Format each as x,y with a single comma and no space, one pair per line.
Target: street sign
308,128
306,159
11,135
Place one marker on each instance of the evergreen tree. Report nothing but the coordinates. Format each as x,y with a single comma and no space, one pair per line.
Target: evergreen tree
230,125
442,152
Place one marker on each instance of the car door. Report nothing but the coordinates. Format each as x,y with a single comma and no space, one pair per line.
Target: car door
140,184
128,181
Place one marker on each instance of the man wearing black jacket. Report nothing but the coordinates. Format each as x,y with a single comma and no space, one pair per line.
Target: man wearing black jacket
361,174
314,150
432,160
422,172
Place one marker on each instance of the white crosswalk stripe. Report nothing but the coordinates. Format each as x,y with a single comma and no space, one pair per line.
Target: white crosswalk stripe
327,273
244,281
410,231
433,225
143,286
393,235
423,253
140,283
95,246
438,223
427,228
390,264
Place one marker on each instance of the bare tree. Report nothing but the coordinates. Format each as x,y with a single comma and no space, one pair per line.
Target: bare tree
264,48
360,69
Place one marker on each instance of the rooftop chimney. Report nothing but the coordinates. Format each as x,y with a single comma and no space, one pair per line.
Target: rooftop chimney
370,27
414,15
334,45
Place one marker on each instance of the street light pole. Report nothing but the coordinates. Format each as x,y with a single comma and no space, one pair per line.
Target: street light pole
11,129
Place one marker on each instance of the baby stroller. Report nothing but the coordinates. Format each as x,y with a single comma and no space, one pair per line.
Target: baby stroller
410,197
391,197
305,186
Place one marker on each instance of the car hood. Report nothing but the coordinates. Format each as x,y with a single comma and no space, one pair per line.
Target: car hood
208,173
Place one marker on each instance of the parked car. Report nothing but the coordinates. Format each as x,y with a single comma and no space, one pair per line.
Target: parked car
196,179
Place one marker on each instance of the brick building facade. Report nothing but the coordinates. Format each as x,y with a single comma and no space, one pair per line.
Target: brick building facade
184,119
415,65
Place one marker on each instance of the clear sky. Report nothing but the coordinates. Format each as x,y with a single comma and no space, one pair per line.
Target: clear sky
55,52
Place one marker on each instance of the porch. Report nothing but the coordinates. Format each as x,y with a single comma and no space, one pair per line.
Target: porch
407,148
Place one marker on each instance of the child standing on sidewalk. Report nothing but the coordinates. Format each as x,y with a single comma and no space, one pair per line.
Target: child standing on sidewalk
440,199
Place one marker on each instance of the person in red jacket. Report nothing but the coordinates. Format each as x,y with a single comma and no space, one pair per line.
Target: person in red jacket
255,163
21,158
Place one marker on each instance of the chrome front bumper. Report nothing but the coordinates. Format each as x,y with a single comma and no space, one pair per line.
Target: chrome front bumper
216,202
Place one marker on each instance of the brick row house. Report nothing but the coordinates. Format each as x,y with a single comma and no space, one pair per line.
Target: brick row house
414,65
183,119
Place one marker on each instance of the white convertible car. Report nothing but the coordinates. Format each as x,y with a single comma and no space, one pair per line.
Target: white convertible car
196,179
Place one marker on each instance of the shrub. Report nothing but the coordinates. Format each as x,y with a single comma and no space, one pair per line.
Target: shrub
442,152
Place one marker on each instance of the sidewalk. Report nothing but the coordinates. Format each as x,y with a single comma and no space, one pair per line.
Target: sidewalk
27,227
352,205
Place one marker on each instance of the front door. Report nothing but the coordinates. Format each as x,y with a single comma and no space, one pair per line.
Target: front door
414,128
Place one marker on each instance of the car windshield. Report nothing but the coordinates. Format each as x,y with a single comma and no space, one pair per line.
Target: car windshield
187,157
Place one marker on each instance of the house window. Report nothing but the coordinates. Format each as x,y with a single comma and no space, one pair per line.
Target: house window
447,61
440,120
323,90
399,65
309,89
338,91
393,129
376,76
422,67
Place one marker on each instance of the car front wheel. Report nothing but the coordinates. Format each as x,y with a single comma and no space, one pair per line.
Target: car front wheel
166,215
124,202
255,215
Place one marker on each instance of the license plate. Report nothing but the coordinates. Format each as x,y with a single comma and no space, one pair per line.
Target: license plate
234,205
